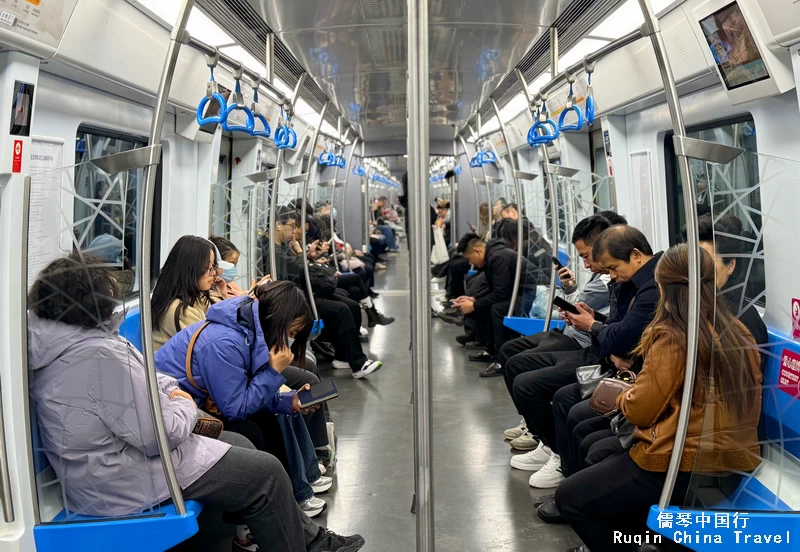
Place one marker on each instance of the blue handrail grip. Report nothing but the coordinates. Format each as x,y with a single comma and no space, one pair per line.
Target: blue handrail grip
488,157
534,139
249,125
261,133
142,533
326,158
577,126
590,107
292,138
223,105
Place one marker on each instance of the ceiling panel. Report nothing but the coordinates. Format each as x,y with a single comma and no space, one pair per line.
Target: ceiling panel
356,50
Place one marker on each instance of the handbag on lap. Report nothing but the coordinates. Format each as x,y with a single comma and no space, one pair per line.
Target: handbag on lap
604,398
589,378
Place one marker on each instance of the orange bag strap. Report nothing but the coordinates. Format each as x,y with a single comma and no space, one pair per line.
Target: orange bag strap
189,357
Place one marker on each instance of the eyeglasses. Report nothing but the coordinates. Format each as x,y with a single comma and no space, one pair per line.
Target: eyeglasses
292,225
212,270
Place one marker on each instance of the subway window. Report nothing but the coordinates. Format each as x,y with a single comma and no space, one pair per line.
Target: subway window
107,207
730,197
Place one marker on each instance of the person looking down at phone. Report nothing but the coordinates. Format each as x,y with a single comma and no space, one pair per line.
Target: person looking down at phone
88,387
232,364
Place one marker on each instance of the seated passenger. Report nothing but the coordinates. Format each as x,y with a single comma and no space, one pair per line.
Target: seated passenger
443,219
595,293
510,211
89,390
627,256
723,442
237,358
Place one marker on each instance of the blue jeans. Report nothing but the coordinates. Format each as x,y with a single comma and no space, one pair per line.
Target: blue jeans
389,235
303,463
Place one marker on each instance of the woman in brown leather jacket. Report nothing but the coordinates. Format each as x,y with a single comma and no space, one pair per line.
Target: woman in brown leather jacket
615,494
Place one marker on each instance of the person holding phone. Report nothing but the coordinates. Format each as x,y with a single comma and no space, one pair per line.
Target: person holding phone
235,363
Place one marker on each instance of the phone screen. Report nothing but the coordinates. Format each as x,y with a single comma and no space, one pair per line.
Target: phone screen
320,392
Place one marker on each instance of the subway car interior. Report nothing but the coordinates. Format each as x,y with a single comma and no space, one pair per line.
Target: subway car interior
399,275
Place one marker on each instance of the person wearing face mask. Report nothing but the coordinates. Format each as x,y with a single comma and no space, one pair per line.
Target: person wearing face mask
236,361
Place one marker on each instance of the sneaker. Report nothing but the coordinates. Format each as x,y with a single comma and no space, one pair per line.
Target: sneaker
247,546
494,370
362,331
369,367
341,365
515,432
549,476
380,266
322,484
526,441
322,469
313,506
328,541
483,356
454,318
533,460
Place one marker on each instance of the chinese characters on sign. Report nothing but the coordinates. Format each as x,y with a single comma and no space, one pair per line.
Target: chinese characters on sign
790,373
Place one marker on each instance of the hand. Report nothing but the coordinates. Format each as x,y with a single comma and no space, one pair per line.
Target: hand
622,363
337,273
297,407
234,290
313,245
458,300
582,321
468,306
473,229
222,288
567,277
280,358
325,247
180,394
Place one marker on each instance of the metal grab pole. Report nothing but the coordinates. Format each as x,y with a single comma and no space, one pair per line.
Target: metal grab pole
474,185
418,187
518,192
651,27
177,37
554,224
304,203
333,199
453,200
344,200
365,206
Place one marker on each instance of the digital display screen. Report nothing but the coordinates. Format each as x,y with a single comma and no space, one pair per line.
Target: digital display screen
21,105
733,47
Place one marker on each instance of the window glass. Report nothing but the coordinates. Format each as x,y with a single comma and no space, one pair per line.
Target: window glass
107,207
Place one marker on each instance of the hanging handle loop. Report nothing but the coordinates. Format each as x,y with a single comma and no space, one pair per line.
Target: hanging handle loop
212,94
237,104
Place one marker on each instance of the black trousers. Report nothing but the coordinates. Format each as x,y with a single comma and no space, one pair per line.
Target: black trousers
457,270
598,446
378,247
341,329
538,377
354,286
614,495
532,344
574,421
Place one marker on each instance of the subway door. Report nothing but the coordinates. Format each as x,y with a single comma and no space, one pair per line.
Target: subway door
18,80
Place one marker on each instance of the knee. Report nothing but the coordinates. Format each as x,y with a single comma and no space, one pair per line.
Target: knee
236,440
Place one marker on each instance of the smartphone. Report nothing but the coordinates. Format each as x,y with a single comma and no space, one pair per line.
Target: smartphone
558,264
563,304
319,393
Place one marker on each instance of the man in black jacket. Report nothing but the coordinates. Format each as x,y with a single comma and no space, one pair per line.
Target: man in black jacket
490,304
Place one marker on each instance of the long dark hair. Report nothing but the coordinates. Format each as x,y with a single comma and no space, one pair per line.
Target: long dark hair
725,351
186,264
280,304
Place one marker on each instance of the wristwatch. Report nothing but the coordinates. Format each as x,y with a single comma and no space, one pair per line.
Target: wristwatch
596,328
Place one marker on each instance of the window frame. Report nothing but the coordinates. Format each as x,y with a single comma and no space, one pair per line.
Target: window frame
155,229
671,174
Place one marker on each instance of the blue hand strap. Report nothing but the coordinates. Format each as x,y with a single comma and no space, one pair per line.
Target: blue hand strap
258,115
475,162
534,139
488,157
327,158
589,101
201,107
577,126
250,122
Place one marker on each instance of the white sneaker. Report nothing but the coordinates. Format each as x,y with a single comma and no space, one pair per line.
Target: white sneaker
322,470
313,506
515,432
533,460
549,476
322,484
363,332
341,365
369,367
526,441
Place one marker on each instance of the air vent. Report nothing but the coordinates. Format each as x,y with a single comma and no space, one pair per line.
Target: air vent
239,19
389,47
381,9
573,24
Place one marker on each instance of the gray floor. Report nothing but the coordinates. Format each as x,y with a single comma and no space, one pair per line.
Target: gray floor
481,504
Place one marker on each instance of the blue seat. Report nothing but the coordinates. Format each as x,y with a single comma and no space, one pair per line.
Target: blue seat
529,326
767,513
152,531
156,531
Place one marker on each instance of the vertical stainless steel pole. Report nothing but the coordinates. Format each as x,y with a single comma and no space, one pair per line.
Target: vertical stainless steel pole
304,208
365,205
454,200
333,197
343,217
177,37
270,58
553,52
651,28
419,241
554,225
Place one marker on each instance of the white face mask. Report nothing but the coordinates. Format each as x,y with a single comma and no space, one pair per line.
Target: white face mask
290,340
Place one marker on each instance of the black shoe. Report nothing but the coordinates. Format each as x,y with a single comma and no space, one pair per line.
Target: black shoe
475,346
549,512
450,310
328,541
457,319
647,548
492,371
581,548
544,498
483,356
375,318
363,338
463,339
374,294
